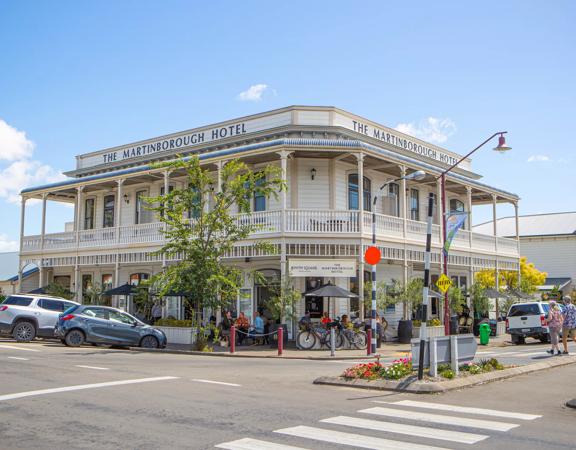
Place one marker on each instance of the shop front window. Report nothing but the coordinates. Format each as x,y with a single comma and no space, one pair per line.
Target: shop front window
314,305
137,278
106,285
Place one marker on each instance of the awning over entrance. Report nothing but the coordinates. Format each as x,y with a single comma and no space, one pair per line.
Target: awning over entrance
329,290
126,289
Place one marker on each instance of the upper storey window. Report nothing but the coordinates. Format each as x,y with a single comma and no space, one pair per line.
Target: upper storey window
109,203
89,214
394,199
353,195
414,204
457,206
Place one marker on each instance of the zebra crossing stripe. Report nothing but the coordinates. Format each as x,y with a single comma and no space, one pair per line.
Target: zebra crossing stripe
445,420
410,430
465,410
255,444
355,440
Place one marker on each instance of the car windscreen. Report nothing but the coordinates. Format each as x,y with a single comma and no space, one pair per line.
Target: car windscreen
17,301
70,310
524,310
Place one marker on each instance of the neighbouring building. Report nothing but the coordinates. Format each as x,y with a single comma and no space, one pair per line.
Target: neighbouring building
548,241
334,163
9,275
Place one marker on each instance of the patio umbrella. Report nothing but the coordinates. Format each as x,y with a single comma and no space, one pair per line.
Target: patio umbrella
40,290
493,293
329,290
125,289
520,294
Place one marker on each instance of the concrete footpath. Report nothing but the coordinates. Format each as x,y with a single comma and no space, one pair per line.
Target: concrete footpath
386,351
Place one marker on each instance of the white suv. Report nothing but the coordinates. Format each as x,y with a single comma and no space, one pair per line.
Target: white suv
26,316
528,320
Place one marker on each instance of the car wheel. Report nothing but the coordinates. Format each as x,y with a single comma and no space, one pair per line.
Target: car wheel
74,338
149,342
24,332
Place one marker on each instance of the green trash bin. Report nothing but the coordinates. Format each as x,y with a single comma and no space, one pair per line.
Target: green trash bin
484,334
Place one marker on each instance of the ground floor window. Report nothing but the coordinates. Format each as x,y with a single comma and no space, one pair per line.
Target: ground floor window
62,280
86,283
314,305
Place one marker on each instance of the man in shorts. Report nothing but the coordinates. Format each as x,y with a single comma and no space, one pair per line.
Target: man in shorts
569,324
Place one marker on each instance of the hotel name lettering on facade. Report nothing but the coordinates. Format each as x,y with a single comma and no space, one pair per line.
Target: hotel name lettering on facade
175,143
402,142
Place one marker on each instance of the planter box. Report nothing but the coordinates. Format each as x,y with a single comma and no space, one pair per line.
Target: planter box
431,331
179,335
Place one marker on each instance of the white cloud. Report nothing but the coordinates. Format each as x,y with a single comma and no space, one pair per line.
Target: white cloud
539,158
22,170
6,245
253,93
14,144
431,129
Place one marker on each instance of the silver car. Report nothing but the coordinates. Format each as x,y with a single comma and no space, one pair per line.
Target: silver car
103,325
26,316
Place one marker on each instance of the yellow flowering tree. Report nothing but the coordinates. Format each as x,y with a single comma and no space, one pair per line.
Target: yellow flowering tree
530,278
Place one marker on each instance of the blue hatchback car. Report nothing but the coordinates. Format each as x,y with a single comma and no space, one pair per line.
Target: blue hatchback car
103,325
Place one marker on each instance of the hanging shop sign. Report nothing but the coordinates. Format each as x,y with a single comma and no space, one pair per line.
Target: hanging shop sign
322,268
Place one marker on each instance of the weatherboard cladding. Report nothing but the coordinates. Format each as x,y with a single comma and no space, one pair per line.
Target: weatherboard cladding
285,142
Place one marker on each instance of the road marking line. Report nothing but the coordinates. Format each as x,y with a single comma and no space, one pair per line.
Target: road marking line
445,420
81,387
465,409
255,444
13,347
93,367
18,358
355,440
410,430
216,382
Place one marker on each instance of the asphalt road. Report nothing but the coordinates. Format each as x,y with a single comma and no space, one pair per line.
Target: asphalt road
54,397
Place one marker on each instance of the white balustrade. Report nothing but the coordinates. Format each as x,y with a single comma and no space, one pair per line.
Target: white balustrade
483,242
304,221
57,241
97,238
261,221
322,221
141,233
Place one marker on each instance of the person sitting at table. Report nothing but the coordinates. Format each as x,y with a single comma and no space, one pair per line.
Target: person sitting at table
257,331
242,325
325,319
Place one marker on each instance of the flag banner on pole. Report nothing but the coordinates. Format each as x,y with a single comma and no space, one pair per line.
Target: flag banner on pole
453,223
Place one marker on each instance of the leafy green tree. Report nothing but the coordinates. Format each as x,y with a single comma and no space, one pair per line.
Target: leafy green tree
480,302
200,229
456,299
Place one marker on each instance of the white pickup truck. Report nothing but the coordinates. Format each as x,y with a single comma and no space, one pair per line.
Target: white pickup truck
528,320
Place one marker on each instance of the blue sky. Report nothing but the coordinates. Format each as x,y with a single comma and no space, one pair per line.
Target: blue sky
82,76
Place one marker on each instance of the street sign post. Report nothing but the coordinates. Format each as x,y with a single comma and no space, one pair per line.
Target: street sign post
444,283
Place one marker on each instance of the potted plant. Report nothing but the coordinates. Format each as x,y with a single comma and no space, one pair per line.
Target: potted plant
411,295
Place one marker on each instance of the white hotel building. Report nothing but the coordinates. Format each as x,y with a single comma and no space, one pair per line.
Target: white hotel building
320,221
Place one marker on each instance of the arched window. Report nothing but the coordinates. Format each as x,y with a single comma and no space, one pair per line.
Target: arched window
353,197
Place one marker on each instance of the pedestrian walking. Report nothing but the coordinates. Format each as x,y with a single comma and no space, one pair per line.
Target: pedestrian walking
569,324
554,321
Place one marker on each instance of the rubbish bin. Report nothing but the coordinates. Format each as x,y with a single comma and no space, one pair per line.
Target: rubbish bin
484,334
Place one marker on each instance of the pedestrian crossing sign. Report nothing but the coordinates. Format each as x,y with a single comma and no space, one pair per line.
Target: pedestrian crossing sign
444,283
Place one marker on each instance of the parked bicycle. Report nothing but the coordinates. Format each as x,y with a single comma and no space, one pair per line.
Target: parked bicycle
310,335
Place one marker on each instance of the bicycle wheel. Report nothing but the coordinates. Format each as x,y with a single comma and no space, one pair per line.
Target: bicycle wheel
360,340
306,340
339,340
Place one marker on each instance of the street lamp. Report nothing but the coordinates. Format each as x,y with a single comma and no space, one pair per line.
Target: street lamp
501,148
417,175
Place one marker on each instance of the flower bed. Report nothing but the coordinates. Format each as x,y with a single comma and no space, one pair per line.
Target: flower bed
375,371
402,368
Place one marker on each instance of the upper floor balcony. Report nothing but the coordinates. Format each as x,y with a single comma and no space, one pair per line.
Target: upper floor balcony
303,223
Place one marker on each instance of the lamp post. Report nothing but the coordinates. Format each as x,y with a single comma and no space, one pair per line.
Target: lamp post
417,175
501,148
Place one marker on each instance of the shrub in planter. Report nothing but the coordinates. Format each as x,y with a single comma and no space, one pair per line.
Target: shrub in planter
173,323
375,371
